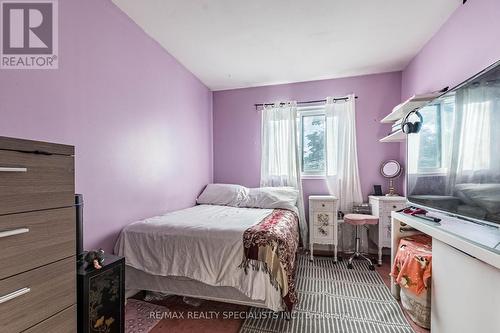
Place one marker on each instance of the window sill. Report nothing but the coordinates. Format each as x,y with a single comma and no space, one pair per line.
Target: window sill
313,177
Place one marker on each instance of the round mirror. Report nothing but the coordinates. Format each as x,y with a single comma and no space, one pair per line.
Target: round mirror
390,169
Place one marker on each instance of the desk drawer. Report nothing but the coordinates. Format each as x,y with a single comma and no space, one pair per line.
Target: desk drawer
31,181
30,240
31,297
323,218
323,206
388,208
63,322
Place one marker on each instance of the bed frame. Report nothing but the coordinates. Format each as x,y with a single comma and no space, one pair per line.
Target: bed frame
137,280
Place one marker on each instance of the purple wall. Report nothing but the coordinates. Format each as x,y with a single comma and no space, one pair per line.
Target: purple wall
237,126
141,123
466,44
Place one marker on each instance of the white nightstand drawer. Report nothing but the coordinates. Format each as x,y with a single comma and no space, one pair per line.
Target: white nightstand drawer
323,235
323,218
323,206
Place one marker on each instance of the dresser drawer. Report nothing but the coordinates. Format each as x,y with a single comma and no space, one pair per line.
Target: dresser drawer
63,322
30,240
323,218
31,297
323,206
31,181
323,235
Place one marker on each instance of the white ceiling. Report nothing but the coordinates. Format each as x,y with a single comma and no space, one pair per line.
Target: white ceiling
243,43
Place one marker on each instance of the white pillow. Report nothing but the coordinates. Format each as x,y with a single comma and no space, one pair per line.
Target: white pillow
273,197
224,195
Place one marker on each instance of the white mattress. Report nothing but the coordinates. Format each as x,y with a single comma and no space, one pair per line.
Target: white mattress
202,243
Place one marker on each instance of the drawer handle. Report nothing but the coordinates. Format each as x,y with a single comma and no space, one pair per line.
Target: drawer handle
13,232
322,205
9,169
14,294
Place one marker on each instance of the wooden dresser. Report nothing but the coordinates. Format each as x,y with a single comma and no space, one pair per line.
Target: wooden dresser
37,237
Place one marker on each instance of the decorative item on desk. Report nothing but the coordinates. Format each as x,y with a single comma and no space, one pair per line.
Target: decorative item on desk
95,258
377,190
391,170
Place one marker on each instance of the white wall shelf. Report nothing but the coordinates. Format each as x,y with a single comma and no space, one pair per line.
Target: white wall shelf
398,136
409,105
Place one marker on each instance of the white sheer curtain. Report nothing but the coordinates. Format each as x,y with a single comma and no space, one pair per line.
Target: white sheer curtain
473,158
342,157
280,162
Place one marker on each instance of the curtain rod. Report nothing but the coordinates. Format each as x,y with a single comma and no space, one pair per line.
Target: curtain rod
306,102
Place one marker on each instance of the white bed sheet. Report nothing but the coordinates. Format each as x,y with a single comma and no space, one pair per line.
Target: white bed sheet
203,243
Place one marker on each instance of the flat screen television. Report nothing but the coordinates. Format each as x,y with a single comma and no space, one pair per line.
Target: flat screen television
453,163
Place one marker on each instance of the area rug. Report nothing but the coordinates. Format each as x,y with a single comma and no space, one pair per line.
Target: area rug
139,316
333,298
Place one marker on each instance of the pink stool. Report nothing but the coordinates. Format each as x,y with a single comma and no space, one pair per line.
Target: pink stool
359,220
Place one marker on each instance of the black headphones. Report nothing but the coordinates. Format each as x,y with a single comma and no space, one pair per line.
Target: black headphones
409,127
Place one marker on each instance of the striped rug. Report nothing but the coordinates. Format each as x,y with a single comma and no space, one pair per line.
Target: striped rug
333,298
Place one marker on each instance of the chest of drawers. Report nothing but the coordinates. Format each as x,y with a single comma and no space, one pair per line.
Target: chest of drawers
323,222
382,208
37,237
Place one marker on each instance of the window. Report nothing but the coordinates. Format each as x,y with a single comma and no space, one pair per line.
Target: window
430,139
434,142
312,141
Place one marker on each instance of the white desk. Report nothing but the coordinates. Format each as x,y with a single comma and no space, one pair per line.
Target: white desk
465,272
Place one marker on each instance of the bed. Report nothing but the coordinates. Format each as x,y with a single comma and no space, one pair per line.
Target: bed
201,252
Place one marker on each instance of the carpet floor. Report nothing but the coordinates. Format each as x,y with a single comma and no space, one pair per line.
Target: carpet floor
180,322
333,298
138,317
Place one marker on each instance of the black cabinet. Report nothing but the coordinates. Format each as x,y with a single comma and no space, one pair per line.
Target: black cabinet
101,297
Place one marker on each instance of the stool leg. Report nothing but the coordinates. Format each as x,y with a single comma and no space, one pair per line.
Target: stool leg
342,247
356,249
357,252
358,243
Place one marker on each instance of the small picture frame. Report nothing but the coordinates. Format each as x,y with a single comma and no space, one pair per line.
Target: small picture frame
377,190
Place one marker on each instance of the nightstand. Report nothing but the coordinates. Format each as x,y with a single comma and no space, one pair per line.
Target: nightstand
101,296
323,228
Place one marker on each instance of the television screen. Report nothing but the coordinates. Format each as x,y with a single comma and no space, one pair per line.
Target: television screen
453,163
